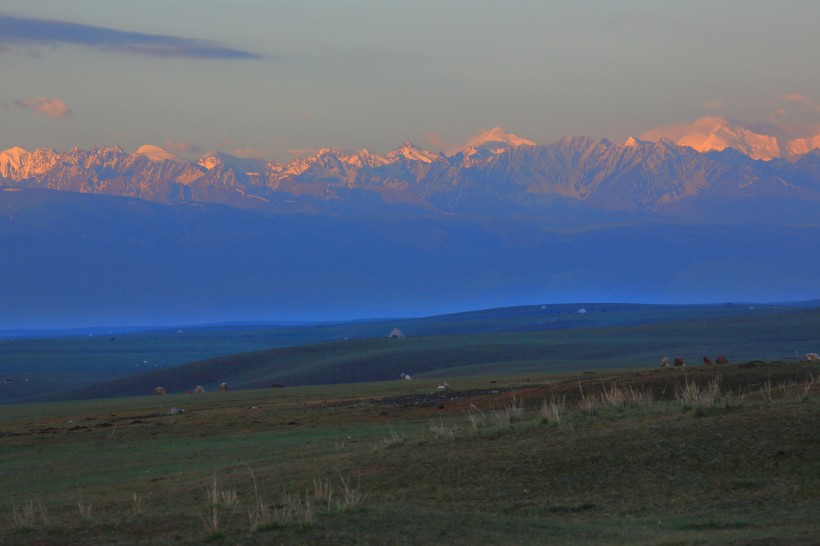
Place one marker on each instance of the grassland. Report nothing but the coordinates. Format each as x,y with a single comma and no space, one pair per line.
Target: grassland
770,334
516,339
698,455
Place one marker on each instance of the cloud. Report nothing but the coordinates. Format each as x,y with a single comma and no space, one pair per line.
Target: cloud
801,99
438,143
251,153
715,105
302,152
181,147
25,31
53,107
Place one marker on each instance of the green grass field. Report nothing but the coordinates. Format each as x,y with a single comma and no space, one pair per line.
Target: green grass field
637,458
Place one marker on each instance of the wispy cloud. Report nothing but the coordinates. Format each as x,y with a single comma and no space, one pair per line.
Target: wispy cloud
181,147
53,107
26,31
802,99
251,153
301,152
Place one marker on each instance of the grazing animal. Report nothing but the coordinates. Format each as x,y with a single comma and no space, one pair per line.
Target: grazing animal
405,377
160,391
199,389
707,361
812,356
679,361
276,385
665,362
223,386
722,360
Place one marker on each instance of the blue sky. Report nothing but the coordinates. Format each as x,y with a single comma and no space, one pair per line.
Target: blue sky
275,79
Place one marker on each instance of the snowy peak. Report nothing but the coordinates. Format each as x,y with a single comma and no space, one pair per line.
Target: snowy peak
157,154
496,139
715,133
212,160
411,152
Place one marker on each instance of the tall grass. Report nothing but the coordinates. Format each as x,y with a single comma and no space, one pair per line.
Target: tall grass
26,516
690,395
221,505
553,410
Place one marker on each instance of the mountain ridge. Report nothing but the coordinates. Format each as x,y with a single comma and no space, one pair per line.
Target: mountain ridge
496,169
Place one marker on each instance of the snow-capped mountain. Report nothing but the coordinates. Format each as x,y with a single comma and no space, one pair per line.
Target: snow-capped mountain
495,172
716,133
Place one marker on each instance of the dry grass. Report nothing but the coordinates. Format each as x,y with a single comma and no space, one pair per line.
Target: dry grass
553,410
442,430
27,515
691,395
221,504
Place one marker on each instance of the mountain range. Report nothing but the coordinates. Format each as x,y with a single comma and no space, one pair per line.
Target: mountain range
498,174
104,236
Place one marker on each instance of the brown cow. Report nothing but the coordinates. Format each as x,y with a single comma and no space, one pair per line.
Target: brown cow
159,391
679,361
722,360
223,386
812,356
199,389
707,361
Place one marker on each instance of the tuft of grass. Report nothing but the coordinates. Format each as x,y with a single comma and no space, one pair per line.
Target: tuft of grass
351,498
442,430
477,418
507,415
553,410
690,395
26,516
391,440
85,509
259,515
136,504
588,404
221,505
322,492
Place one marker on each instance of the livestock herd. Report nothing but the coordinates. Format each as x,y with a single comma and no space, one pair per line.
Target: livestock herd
721,359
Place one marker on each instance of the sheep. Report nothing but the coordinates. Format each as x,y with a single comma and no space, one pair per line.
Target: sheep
679,361
707,361
199,389
223,386
665,362
159,391
405,377
722,359
812,356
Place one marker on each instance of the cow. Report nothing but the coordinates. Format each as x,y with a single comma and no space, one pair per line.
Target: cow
223,386
707,361
159,391
722,359
665,362
679,361
199,389
812,356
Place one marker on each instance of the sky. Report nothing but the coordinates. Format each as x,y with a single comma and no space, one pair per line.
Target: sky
280,79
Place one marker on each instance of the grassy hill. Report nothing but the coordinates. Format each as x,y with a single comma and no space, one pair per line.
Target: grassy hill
604,337
694,455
